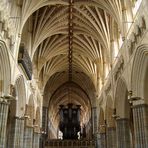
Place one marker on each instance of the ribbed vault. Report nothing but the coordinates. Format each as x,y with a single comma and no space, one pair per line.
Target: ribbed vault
69,93
71,44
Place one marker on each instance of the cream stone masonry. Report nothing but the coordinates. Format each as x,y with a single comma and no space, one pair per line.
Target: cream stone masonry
16,137
91,53
4,105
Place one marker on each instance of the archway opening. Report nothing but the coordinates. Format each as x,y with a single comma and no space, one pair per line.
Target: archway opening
69,112
124,113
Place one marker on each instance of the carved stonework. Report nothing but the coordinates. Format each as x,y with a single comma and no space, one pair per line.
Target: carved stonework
136,35
1,85
32,86
108,88
12,90
29,115
119,68
25,61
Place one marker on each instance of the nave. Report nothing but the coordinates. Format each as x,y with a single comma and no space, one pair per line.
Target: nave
73,73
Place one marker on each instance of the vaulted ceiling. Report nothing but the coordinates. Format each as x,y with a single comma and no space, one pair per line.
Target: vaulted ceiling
71,43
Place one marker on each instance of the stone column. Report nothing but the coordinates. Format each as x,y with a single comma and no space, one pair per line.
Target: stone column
36,140
98,141
103,140
41,141
94,120
16,134
4,105
140,116
44,118
95,124
123,133
28,137
44,125
111,137
102,135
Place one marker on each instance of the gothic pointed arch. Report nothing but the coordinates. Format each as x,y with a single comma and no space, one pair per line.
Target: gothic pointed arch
121,99
140,73
30,111
102,121
5,70
37,120
20,95
109,112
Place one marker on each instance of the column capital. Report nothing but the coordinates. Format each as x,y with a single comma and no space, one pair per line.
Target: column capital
94,107
36,129
26,117
111,127
102,128
133,99
7,98
4,101
19,118
39,133
102,132
122,119
29,126
139,105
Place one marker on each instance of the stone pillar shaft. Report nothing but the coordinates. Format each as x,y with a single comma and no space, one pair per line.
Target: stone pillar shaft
36,140
94,120
123,133
17,133
44,124
98,141
111,137
3,122
103,142
140,116
44,118
28,137
95,124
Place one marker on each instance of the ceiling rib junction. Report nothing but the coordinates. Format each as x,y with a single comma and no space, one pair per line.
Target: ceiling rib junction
71,2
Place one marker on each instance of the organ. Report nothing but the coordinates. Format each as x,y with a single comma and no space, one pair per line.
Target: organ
70,120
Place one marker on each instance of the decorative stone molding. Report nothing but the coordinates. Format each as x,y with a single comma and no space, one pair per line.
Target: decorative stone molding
136,35
108,89
29,116
37,129
32,87
119,67
6,33
138,73
12,90
25,61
